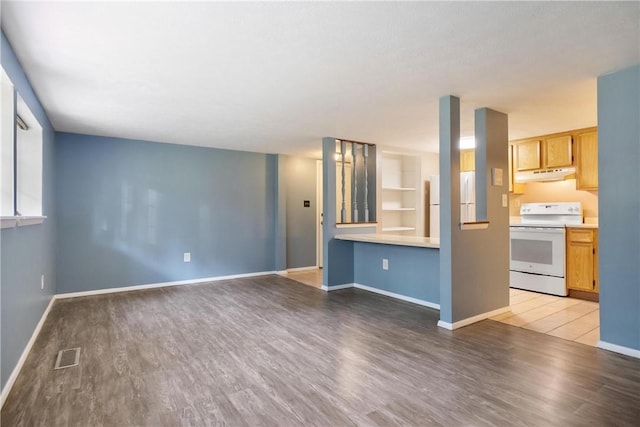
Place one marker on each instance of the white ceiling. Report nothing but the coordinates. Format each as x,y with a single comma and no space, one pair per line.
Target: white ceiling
276,77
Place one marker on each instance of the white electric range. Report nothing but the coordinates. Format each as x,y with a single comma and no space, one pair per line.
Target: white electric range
537,260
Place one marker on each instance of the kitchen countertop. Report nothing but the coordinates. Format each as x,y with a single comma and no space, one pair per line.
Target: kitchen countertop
386,239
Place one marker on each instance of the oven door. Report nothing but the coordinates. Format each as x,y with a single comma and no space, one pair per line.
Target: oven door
537,250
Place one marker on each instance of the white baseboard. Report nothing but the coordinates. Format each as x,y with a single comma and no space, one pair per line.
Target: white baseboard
336,287
445,325
282,272
619,349
398,296
473,319
311,267
160,285
23,357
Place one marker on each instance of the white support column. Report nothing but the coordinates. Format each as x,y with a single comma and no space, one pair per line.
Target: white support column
365,154
343,211
354,172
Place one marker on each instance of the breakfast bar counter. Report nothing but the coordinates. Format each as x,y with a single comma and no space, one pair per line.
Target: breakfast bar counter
386,239
403,267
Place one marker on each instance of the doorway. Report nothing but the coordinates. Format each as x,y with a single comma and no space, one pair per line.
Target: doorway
319,214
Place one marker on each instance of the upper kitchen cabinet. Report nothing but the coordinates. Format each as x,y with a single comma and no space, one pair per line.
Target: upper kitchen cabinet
576,149
557,152
587,160
514,187
468,160
527,155
551,152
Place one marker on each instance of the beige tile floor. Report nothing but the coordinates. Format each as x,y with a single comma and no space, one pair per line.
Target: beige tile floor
568,318
563,317
307,277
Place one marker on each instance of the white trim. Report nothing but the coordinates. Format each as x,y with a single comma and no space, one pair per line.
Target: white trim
390,239
160,285
472,319
25,353
311,267
9,222
619,349
319,207
282,273
398,296
356,224
21,221
445,325
336,287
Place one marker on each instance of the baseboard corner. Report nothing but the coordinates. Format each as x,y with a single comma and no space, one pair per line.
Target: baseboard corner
445,325
336,287
25,353
473,319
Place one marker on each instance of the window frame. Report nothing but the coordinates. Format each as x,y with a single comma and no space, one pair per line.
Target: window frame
32,191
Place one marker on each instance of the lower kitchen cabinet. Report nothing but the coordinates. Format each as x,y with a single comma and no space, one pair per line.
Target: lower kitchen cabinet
582,259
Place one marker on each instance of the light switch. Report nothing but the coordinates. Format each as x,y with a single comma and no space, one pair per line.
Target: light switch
505,201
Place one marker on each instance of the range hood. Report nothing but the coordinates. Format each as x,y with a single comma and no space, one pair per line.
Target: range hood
544,175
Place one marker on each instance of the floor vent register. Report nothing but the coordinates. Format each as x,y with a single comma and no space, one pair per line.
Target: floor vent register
68,358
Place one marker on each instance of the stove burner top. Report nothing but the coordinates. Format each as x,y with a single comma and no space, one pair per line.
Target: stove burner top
550,214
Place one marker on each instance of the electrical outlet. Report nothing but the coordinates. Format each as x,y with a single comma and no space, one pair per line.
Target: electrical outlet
505,201
187,257
42,281
385,264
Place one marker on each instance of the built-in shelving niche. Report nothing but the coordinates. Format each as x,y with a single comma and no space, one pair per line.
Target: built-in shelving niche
401,211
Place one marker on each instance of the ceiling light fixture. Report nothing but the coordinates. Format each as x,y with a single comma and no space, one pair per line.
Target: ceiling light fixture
467,143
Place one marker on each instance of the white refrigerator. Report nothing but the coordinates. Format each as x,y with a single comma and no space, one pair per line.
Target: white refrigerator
468,197
467,201
434,206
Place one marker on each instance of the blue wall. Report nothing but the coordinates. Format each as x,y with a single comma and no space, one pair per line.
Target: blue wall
619,207
127,210
26,252
413,271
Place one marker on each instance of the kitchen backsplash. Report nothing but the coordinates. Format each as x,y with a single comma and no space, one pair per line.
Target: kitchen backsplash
557,191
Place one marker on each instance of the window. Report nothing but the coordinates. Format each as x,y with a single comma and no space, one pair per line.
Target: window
20,160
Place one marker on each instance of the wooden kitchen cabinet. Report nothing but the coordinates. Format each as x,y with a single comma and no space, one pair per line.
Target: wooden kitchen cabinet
587,160
527,155
558,152
467,160
515,188
582,259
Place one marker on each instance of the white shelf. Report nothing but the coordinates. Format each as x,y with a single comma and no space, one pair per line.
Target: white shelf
400,203
399,188
398,229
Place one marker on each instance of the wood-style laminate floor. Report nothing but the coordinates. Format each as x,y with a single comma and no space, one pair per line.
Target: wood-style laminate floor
267,351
